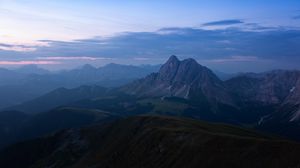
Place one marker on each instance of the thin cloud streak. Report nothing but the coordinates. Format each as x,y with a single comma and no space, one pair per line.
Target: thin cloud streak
223,22
17,49
235,59
29,62
296,17
74,58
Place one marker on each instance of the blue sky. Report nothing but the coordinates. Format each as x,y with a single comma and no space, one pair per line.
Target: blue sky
31,29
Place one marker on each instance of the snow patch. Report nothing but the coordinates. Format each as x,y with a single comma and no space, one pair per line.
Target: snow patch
296,116
292,89
261,120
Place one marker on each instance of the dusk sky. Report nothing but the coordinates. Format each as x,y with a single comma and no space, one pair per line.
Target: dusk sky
226,35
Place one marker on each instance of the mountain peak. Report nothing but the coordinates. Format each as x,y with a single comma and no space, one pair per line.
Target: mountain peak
190,61
185,79
31,69
173,58
88,66
169,69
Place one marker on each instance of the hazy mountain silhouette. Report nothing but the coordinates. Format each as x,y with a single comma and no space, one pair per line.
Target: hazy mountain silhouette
30,81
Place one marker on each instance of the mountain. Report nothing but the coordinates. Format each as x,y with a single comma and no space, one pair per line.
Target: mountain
185,79
225,76
17,126
110,75
10,124
30,81
62,118
274,95
32,69
152,141
278,90
262,100
59,97
270,88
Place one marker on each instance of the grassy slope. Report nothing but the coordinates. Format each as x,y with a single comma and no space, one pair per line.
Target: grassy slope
155,141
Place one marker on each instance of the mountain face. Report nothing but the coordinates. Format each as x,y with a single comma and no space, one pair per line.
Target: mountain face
270,88
148,142
185,79
279,89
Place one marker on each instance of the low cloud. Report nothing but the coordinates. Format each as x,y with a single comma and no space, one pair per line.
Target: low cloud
29,47
235,59
223,22
17,48
29,62
296,17
74,58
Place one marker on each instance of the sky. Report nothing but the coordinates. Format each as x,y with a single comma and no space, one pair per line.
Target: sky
227,35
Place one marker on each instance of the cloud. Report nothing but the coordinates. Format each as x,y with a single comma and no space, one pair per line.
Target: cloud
223,22
29,62
74,58
29,47
296,17
235,59
228,45
17,48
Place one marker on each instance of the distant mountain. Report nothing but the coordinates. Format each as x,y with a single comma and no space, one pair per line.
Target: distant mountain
110,75
148,142
274,87
59,97
8,77
32,69
29,82
185,79
225,76
275,95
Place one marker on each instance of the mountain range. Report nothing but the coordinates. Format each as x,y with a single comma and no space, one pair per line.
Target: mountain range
268,103
247,99
30,81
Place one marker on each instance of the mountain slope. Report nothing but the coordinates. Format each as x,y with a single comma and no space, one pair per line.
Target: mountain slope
16,126
270,88
59,97
10,124
148,142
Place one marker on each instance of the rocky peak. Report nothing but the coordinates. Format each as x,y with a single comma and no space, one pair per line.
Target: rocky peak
186,79
169,69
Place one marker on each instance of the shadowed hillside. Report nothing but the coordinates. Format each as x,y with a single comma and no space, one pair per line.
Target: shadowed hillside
160,142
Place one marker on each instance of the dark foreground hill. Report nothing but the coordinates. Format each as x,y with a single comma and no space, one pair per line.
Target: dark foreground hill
152,141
